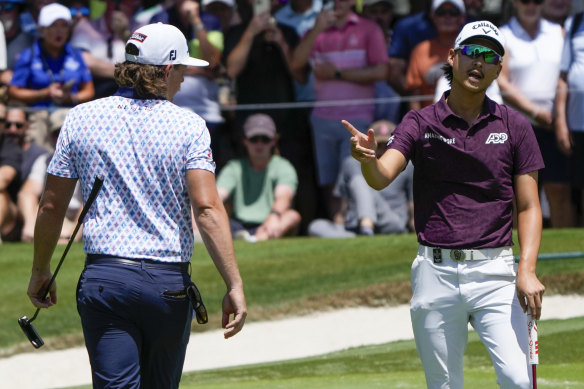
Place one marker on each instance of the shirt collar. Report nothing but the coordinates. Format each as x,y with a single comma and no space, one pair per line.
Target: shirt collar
129,92
443,110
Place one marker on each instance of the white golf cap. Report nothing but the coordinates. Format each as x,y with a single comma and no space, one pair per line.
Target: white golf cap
50,13
161,44
229,3
481,29
457,3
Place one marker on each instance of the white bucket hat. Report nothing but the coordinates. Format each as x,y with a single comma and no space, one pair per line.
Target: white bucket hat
161,44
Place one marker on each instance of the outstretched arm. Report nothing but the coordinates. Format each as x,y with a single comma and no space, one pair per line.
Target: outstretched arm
214,228
378,173
529,289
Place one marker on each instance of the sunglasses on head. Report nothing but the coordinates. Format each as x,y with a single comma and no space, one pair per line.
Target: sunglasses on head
537,2
475,51
18,125
82,11
260,138
454,12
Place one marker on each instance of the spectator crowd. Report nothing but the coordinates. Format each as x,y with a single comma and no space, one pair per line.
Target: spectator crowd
279,81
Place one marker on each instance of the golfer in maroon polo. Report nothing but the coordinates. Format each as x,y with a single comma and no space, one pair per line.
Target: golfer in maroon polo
472,158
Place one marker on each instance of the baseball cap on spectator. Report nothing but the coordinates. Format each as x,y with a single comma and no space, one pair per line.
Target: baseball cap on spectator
259,124
457,3
50,13
382,130
482,29
160,44
229,3
57,119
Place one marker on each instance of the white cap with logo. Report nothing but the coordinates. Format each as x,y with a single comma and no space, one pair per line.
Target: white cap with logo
481,29
457,3
161,44
50,13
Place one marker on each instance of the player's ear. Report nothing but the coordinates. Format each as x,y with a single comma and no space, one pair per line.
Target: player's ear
451,54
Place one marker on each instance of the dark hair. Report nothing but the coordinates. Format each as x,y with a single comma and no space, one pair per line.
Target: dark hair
147,80
447,69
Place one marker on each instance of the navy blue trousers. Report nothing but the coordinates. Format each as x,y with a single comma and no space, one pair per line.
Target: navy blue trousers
136,325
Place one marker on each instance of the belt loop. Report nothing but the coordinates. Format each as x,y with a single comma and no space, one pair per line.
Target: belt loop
142,265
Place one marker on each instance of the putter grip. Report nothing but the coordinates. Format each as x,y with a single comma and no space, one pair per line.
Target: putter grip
97,184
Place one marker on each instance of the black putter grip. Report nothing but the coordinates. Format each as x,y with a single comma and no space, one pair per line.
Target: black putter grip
97,184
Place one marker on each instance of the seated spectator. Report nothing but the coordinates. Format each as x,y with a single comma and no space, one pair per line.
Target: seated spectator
261,186
428,57
32,188
16,40
17,156
367,211
51,73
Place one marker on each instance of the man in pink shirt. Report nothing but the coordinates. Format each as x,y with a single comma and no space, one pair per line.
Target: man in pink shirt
348,55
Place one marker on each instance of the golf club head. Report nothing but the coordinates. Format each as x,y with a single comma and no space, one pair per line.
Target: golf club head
30,332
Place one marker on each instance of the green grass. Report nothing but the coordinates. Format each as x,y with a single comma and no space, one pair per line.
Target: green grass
291,272
396,365
276,273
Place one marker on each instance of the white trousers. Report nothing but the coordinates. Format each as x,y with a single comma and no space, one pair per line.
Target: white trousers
448,295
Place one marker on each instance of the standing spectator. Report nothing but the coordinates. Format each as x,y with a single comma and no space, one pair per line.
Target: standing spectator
16,40
199,91
473,159
51,73
257,56
347,55
261,186
85,38
32,188
105,39
156,163
15,147
528,82
381,11
569,103
556,11
367,211
301,15
428,57
407,33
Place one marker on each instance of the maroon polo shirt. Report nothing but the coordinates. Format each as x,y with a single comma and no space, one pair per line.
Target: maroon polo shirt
463,176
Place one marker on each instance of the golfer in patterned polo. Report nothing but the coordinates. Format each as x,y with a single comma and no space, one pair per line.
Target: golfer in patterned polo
156,161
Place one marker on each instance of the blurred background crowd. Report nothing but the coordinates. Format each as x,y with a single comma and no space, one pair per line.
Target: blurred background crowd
282,75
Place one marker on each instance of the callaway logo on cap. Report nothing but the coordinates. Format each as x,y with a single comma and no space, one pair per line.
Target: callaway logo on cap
161,44
482,29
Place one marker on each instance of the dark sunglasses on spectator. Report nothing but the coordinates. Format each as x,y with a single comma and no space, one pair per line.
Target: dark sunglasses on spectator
475,51
454,12
537,2
18,125
260,138
7,7
83,11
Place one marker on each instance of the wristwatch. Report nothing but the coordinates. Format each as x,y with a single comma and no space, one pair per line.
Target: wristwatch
338,75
